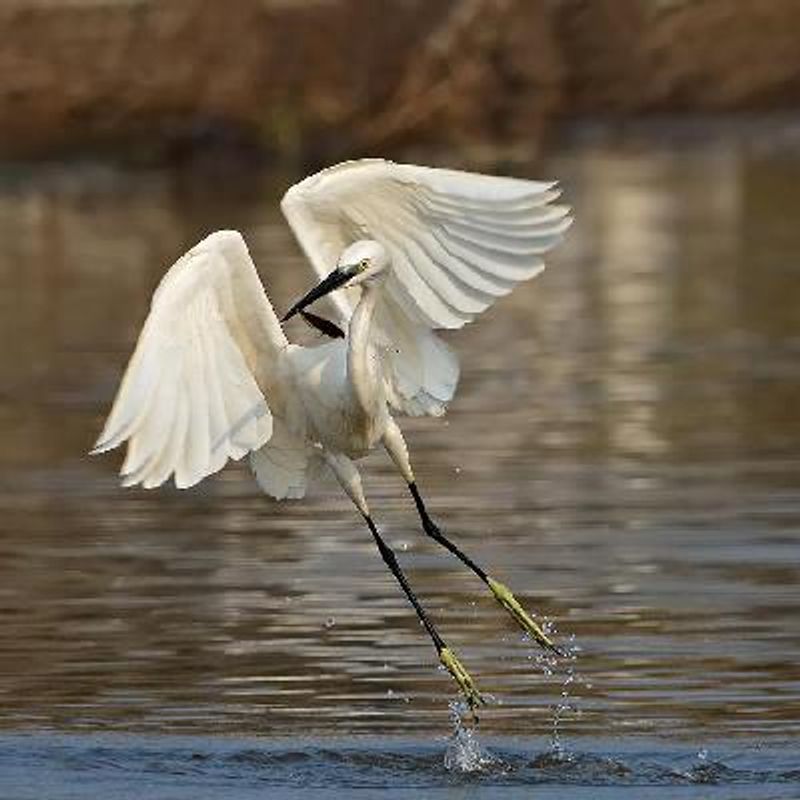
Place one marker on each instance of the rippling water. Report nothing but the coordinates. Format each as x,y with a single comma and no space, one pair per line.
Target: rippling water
624,451
130,766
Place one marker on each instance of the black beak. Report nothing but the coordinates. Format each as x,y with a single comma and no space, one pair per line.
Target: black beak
336,279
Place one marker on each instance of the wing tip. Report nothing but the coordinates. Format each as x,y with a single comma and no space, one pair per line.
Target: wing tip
103,445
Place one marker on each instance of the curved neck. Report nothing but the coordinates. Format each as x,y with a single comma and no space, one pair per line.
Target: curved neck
361,366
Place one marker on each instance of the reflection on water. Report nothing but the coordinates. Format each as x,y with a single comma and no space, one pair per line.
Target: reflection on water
623,450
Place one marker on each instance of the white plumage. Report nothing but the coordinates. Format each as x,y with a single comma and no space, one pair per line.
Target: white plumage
415,250
193,394
213,377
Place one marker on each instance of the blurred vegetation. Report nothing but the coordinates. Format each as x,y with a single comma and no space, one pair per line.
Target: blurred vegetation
318,79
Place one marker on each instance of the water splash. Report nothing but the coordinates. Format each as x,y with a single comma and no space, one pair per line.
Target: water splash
551,665
564,706
464,751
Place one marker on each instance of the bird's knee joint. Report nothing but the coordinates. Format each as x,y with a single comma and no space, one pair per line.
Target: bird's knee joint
431,528
433,531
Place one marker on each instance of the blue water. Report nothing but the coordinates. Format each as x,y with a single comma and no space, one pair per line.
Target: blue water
130,767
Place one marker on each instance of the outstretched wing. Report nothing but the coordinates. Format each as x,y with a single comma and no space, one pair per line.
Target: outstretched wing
458,242
196,388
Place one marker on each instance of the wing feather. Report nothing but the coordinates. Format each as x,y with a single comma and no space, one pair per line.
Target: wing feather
197,452
195,390
164,466
458,241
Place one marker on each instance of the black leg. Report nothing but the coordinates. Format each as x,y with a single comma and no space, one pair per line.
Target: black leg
502,593
446,656
391,561
430,528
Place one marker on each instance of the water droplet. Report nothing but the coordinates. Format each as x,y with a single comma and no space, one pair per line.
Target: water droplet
563,668
464,752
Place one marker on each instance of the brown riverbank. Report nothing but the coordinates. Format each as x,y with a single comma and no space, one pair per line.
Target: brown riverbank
328,78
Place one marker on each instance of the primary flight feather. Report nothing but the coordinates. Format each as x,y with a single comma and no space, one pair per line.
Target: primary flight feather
403,251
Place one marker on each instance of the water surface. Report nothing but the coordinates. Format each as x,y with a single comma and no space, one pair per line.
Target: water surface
623,451
123,767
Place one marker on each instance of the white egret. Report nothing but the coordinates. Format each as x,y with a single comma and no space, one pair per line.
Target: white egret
405,251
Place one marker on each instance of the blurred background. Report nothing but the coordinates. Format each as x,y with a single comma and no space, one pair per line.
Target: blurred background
624,446
323,79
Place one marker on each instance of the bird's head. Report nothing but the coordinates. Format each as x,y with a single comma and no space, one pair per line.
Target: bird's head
365,261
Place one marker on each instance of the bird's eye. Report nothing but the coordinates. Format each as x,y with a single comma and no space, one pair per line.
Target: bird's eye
363,264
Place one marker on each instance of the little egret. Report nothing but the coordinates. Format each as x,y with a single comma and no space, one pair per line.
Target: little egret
403,251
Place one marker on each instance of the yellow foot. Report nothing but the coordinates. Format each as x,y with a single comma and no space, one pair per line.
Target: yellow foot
510,603
462,678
